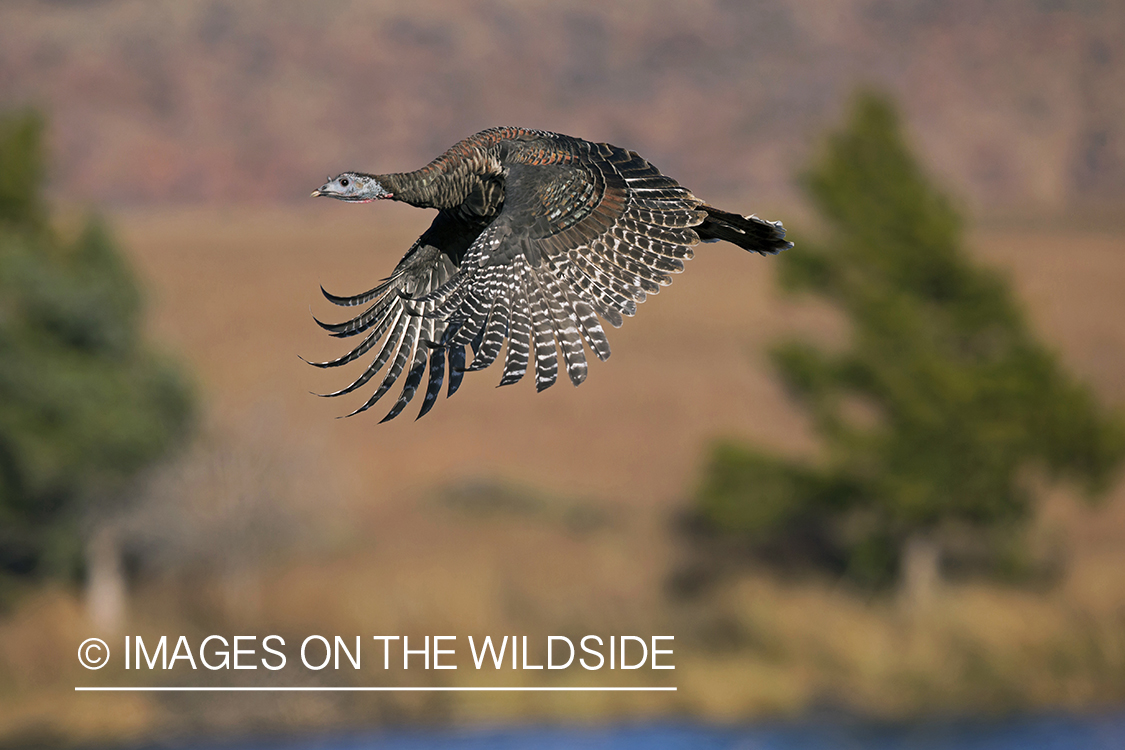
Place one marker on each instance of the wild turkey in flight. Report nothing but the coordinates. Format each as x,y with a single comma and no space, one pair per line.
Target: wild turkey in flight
537,234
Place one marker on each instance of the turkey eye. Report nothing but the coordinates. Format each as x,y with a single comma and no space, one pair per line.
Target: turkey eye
344,182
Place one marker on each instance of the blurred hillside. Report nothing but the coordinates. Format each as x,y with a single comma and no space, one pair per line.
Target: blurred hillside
1018,103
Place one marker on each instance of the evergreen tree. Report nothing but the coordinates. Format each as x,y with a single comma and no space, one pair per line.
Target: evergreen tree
84,404
940,402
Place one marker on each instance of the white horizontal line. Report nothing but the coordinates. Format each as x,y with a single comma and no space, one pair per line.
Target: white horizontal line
198,689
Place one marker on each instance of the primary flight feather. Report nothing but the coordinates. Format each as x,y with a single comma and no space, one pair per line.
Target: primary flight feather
537,236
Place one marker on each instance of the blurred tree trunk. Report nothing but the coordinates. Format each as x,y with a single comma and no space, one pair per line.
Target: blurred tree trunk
242,591
105,580
921,571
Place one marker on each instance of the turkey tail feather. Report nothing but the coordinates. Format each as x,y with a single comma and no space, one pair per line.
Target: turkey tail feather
748,232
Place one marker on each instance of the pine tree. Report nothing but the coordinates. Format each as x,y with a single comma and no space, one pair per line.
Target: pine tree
84,403
940,402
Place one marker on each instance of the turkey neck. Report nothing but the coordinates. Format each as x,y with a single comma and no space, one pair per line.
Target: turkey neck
467,181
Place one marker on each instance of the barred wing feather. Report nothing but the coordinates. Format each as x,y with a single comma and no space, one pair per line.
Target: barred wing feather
402,331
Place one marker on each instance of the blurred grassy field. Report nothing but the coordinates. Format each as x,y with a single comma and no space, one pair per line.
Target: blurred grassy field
597,473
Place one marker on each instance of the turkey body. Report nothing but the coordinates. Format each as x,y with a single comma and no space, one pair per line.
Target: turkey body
538,238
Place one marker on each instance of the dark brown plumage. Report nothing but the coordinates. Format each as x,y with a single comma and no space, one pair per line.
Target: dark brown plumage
537,235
